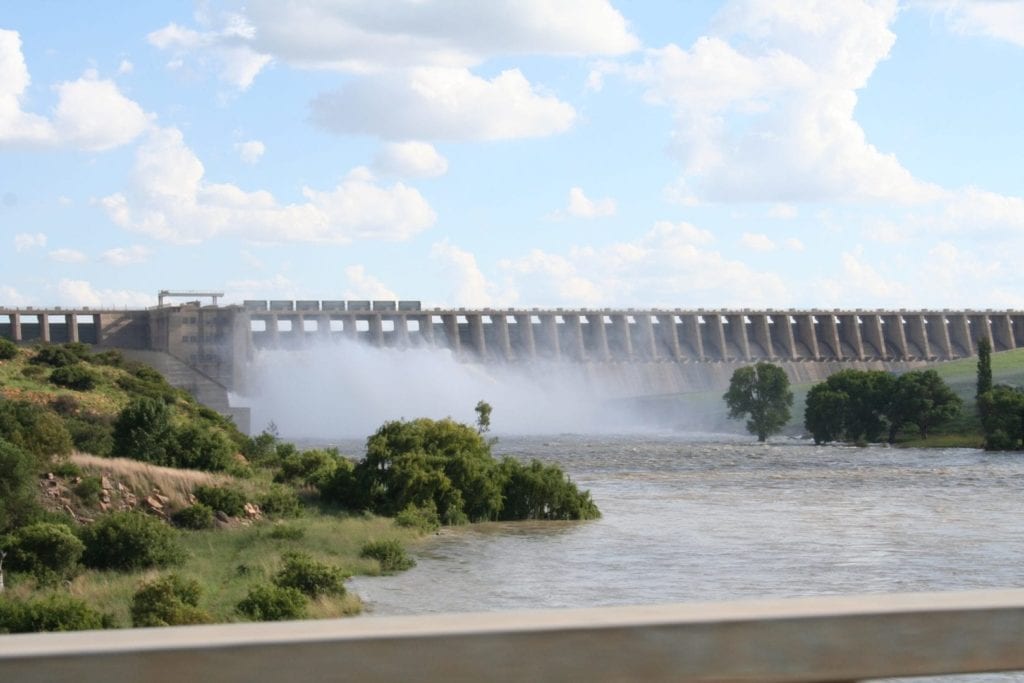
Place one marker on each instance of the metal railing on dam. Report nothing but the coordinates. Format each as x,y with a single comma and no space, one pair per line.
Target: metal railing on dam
804,639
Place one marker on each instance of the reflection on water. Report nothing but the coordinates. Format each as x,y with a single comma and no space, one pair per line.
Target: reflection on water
693,519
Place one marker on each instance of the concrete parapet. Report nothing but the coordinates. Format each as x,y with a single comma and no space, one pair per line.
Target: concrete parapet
833,638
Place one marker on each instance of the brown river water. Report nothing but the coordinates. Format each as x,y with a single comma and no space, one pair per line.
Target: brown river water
718,517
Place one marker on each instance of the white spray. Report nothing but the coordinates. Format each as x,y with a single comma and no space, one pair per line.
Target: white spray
350,389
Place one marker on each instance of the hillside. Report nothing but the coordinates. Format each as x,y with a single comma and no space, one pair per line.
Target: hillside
230,529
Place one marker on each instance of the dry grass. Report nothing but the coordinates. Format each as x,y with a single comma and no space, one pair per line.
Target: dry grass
143,478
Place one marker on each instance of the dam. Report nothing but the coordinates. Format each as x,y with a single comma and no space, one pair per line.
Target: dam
625,353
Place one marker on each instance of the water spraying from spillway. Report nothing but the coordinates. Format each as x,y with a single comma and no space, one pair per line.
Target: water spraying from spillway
349,389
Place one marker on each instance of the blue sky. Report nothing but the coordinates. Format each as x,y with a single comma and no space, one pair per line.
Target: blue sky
581,153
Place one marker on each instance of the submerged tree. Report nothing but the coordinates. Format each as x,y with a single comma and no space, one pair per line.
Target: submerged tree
761,392
921,398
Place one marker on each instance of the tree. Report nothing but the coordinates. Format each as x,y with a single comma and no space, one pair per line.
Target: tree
761,392
921,398
824,413
1002,417
851,405
18,471
143,431
984,367
483,417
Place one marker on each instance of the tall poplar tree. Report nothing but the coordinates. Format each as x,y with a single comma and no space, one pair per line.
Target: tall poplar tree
984,367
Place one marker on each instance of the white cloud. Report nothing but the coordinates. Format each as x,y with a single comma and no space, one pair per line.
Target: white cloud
757,241
443,104
91,113
413,65
469,285
26,240
581,206
667,267
169,200
275,287
793,244
9,296
362,36
782,210
1000,19
125,67
68,256
238,63
764,108
364,286
82,293
123,256
410,160
250,151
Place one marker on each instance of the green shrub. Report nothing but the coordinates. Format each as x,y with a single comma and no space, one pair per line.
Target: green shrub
18,472
280,501
79,350
196,517
56,612
35,428
539,491
199,447
54,356
76,377
224,499
50,552
112,358
8,349
128,541
423,517
287,532
142,431
390,554
313,578
313,467
266,602
93,435
35,372
89,489
262,449
65,405
65,467
168,601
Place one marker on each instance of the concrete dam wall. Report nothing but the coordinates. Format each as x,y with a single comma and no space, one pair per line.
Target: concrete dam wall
619,352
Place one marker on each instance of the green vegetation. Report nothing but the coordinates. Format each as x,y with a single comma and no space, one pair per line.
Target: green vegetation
267,602
168,601
389,553
860,406
130,540
761,392
984,381
82,535
310,577
449,466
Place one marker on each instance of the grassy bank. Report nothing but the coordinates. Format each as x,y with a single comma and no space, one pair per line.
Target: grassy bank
241,549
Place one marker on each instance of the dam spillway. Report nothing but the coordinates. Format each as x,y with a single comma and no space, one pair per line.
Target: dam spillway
639,352
631,335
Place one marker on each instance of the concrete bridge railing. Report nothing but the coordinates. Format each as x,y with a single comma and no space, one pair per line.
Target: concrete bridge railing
805,639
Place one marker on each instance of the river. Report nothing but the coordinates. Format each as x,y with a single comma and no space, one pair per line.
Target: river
692,518
718,517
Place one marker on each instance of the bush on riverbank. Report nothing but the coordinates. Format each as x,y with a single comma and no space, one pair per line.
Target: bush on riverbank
448,465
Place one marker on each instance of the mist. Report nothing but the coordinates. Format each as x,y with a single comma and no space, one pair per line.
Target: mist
348,389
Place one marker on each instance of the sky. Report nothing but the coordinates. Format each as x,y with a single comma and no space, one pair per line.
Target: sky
514,153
